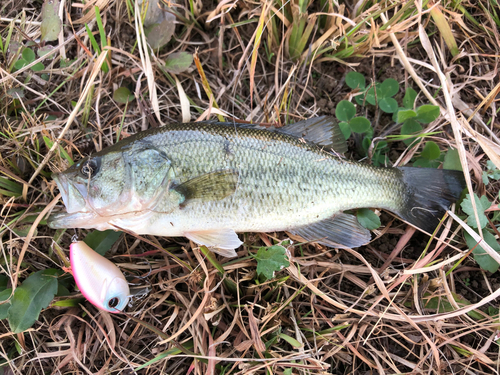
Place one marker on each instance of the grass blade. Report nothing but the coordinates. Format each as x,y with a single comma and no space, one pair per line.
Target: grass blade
205,84
255,51
444,28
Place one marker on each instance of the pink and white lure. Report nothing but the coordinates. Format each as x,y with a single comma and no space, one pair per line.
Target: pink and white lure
99,279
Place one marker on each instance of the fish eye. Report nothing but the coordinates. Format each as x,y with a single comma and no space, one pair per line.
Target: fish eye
89,168
113,302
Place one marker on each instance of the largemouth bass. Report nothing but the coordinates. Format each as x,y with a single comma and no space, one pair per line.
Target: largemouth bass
208,181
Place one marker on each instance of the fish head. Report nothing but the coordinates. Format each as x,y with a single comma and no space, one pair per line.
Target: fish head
95,185
120,180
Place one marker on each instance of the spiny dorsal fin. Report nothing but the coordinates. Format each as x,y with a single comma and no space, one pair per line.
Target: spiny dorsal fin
340,231
323,131
210,186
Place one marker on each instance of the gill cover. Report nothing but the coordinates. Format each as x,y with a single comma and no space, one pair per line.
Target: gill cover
99,280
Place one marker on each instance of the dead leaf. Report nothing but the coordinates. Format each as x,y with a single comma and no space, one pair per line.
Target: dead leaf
178,62
254,331
89,10
186,113
51,23
244,345
160,34
155,13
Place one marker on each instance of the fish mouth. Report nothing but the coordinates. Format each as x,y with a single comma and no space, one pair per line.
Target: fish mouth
62,220
70,194
62,187
76,215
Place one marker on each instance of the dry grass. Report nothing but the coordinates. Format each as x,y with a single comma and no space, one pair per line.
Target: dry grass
348,311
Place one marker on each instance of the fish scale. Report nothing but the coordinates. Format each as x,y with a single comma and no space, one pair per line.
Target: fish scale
208,180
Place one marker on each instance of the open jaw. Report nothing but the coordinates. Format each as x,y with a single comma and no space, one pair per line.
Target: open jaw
61,220
73,195
76,215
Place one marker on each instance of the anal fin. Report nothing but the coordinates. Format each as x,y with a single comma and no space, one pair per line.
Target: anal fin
222,241
340,231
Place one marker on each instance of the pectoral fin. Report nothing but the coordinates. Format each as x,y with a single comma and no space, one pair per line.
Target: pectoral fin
209,187
222,241
343,230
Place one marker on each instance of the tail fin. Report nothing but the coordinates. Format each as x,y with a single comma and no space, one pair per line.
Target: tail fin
430,192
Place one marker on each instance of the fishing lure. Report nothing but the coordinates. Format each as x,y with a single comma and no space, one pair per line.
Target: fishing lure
100,280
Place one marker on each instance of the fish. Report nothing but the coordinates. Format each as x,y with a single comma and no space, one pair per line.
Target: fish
100,280
208,181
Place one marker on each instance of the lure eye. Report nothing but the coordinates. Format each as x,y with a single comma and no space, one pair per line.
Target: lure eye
113,302
90,168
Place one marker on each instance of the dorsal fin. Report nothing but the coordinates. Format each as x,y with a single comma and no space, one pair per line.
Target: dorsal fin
323,131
